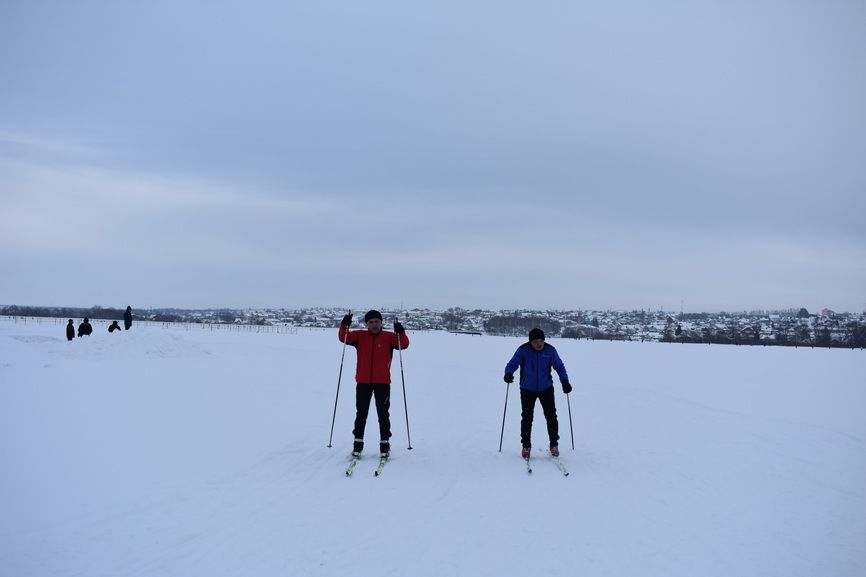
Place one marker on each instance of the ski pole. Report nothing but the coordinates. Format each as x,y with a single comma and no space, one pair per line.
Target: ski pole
339,378
570,428
403,378
502,434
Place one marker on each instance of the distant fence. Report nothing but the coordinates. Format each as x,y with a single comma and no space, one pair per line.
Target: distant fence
274,329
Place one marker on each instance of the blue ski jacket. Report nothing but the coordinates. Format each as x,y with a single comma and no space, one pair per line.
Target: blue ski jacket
535,367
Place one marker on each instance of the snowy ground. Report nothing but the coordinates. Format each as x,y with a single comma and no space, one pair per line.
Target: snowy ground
203,453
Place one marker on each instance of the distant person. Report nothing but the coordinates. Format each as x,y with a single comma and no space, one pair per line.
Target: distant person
114,327
535,359
84,328
127,318
375,349
70,330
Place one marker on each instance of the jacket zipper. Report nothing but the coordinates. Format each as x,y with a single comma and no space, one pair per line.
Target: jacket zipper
537,365
372,355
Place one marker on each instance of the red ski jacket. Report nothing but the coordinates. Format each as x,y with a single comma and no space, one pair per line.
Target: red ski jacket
374,353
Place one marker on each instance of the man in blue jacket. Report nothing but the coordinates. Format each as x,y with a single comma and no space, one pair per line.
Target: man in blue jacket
535,359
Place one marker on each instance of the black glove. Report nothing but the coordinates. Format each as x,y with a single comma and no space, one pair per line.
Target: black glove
347,320
508,378
398,328
566,387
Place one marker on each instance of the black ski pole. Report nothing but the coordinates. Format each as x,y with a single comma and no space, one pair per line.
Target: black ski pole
570,428
403,378
339,378
502,434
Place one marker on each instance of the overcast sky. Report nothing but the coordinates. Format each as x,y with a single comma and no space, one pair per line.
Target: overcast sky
624,154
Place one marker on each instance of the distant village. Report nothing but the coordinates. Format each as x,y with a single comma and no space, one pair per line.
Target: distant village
792,327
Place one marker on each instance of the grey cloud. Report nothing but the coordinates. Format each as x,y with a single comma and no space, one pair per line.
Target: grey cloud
634,141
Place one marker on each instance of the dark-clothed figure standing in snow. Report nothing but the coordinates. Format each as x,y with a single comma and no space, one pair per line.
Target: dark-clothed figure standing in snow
127,318
70,330
84,328
535,359
375,349
114,327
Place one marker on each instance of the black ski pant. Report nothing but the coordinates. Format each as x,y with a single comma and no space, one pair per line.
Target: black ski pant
363,394
548,404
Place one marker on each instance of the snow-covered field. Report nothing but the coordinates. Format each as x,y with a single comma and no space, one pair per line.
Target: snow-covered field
165,451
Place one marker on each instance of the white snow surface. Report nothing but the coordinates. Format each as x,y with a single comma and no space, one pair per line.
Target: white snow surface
189,452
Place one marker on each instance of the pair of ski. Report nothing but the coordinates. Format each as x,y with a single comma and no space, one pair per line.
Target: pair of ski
355,458
559,465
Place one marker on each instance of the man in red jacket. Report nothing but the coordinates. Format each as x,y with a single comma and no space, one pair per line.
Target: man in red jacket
375,350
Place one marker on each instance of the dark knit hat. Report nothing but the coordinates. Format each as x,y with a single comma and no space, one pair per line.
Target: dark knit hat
536,334
372,314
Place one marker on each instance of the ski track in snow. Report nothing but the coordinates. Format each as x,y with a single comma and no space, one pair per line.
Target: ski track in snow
189,452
